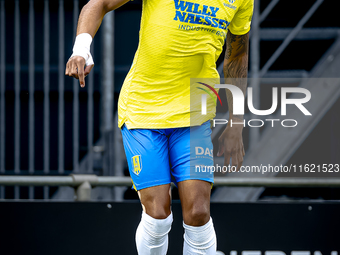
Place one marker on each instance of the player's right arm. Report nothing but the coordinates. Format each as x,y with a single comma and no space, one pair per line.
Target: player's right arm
90,19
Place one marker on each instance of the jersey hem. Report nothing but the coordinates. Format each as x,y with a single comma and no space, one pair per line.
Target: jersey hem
161,125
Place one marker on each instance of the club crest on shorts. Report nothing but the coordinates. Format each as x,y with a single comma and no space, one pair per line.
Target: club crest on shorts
137,164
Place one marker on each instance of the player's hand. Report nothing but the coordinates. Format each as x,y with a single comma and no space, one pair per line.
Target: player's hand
231,144
75,67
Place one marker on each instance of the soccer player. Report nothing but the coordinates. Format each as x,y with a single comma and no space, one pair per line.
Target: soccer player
178,40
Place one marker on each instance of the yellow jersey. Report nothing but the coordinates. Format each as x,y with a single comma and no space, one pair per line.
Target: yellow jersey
178,40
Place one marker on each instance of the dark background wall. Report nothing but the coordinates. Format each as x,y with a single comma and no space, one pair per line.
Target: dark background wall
94,228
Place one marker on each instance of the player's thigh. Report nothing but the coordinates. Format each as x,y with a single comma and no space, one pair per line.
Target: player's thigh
195,201
156,201
148,160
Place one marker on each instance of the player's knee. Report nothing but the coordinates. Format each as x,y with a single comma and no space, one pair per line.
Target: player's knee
197,216
157,207
158,212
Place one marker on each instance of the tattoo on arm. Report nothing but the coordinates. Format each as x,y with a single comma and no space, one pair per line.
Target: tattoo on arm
231,39
236,65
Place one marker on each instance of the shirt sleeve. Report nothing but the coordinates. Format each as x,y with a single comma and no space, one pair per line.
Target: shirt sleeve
240,24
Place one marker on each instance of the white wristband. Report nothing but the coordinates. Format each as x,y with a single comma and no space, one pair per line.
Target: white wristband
82,48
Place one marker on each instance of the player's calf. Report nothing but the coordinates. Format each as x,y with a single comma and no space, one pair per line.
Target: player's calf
199,240
199,233
152,232
152,235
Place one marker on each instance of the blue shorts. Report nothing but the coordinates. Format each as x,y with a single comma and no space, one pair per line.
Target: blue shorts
162,156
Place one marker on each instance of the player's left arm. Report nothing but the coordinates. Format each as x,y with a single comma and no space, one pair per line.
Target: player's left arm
235,70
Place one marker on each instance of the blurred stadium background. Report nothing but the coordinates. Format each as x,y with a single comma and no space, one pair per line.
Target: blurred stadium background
52,127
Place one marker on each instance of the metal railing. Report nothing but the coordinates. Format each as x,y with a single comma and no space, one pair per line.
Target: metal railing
49,29
287,35
83,183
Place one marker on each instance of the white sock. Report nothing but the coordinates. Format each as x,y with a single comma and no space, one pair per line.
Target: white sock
152,235
199,240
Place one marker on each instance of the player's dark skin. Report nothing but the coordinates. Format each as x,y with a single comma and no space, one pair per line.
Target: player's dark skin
195,201
235,69
194,194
